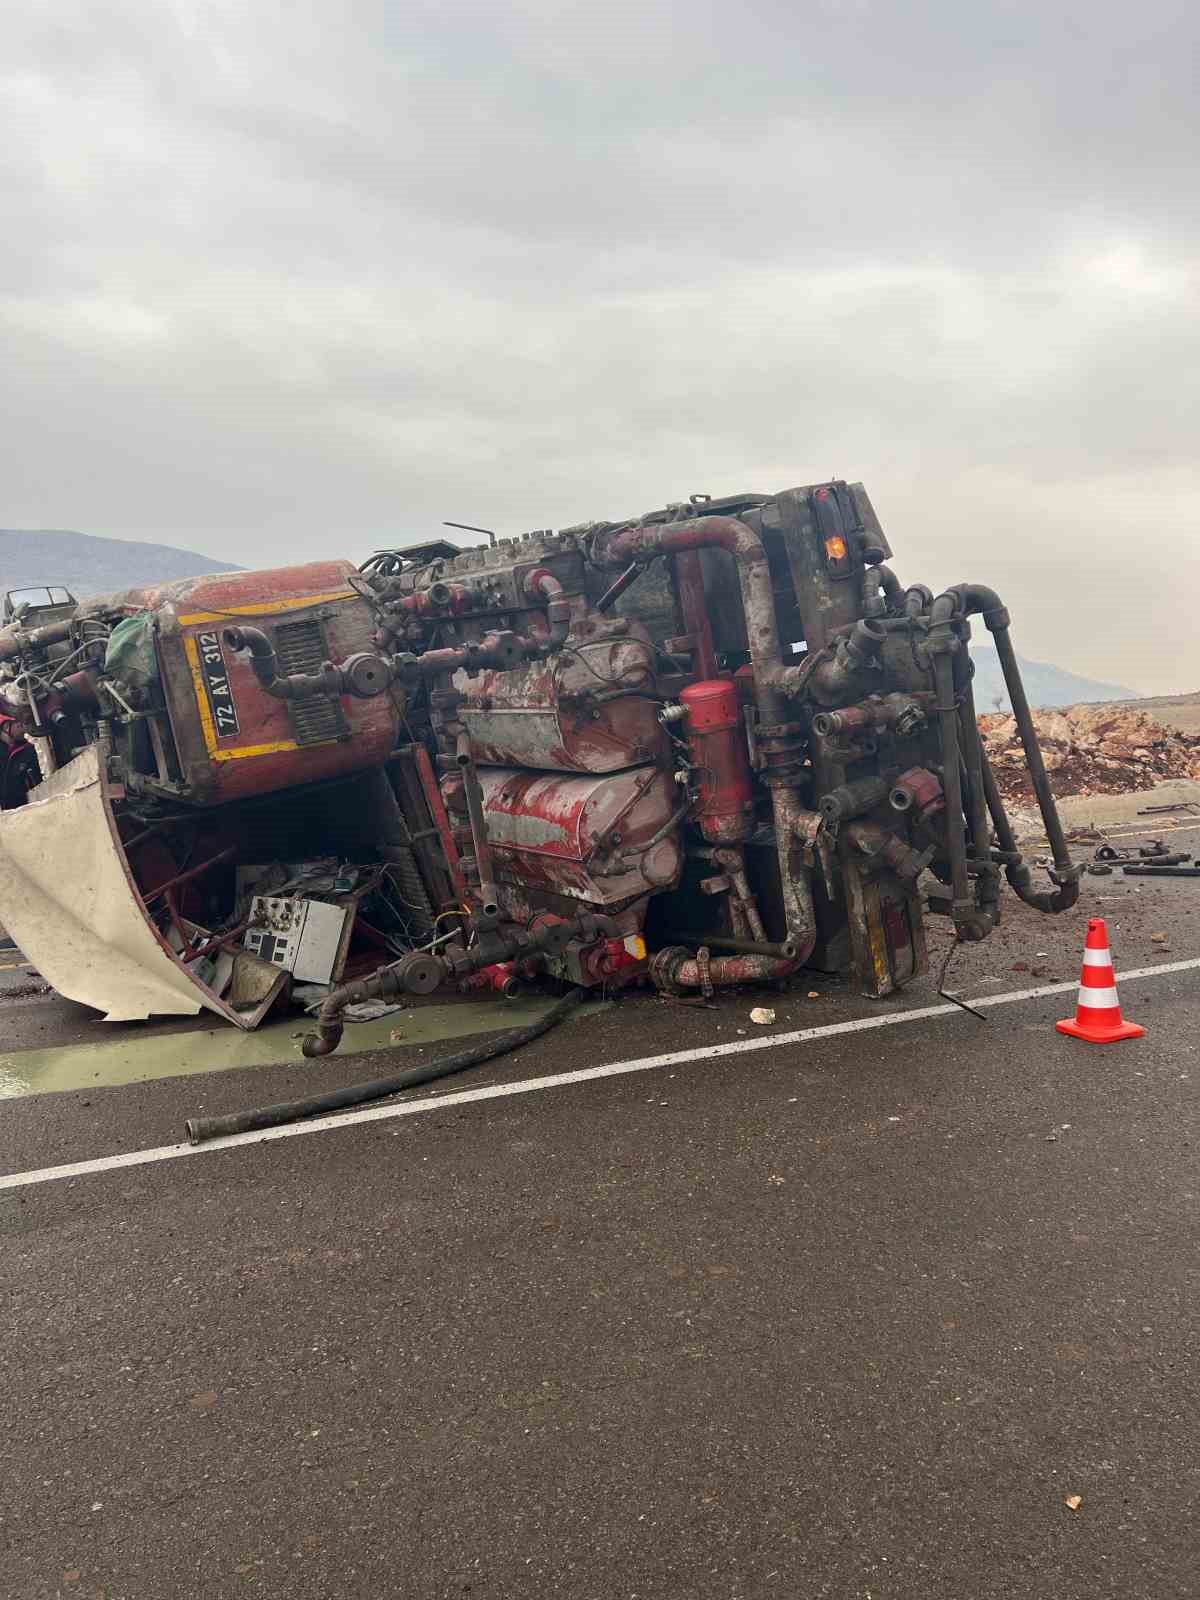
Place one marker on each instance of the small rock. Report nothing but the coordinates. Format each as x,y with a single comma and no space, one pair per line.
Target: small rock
1159,938
1073,1502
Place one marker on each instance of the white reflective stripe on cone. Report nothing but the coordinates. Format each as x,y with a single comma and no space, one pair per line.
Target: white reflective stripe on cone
1097,958
1098,999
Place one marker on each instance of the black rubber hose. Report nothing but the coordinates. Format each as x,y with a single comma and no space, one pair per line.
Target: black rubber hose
956,846
1033,751
890,584
987,882
201,1128
1018,874
977,597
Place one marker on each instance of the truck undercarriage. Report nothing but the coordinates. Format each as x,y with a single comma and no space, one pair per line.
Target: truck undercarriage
707,746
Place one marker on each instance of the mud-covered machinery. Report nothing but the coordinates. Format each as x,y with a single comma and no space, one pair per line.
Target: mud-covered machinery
702,747
707,746
166,772
145,673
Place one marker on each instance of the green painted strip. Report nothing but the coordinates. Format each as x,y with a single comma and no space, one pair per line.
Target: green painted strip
135,1060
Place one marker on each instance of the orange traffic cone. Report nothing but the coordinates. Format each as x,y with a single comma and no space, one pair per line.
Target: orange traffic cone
1098,1014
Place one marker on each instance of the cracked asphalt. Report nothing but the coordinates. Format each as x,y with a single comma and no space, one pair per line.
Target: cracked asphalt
851,1318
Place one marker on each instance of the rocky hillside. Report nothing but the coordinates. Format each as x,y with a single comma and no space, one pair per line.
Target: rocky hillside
89,565
1092,750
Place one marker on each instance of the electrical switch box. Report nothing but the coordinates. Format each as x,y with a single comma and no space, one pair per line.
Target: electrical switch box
301,936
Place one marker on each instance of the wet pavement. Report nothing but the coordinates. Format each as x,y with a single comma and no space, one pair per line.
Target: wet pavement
855,1316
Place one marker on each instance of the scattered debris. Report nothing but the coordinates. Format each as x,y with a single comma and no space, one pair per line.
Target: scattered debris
370,1010
1155,853
763,1015
1073,1502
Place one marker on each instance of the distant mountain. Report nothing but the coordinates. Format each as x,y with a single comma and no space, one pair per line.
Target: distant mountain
1045,685
88,565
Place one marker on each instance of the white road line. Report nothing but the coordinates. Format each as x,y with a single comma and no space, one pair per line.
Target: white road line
555,1080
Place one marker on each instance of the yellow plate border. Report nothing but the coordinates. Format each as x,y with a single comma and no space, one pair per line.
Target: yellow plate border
263,608
191,650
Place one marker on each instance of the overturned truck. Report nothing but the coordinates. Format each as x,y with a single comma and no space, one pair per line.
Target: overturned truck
707,746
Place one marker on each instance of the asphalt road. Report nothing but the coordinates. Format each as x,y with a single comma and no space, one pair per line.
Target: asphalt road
848,1318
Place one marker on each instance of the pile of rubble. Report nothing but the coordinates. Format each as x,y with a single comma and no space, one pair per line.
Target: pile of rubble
1091,750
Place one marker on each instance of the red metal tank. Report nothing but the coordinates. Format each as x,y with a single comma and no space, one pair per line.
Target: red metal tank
717,741
601,839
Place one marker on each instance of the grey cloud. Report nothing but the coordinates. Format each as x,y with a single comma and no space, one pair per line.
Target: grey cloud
294,280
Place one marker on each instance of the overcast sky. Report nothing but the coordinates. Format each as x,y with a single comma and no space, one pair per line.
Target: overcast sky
288,281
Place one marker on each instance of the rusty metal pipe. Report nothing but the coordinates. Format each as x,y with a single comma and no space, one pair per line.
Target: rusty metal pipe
503,651
963,907
852,799
873,839
16,641
473,793
689,578
545,586
1018,874
280,686
726,971
437,600
904,712
193,872
771,678
786,950
625,545
977,598
882,592
618,587
841,672
987,882
437,810
676,968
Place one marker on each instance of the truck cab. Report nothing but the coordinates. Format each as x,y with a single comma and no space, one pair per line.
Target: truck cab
37,605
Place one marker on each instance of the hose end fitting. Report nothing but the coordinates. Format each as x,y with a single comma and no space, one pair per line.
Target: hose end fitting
324,1042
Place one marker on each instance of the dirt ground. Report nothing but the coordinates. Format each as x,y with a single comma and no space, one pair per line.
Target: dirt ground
1180,711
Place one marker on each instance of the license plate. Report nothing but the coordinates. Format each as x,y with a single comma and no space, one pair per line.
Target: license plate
216,685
